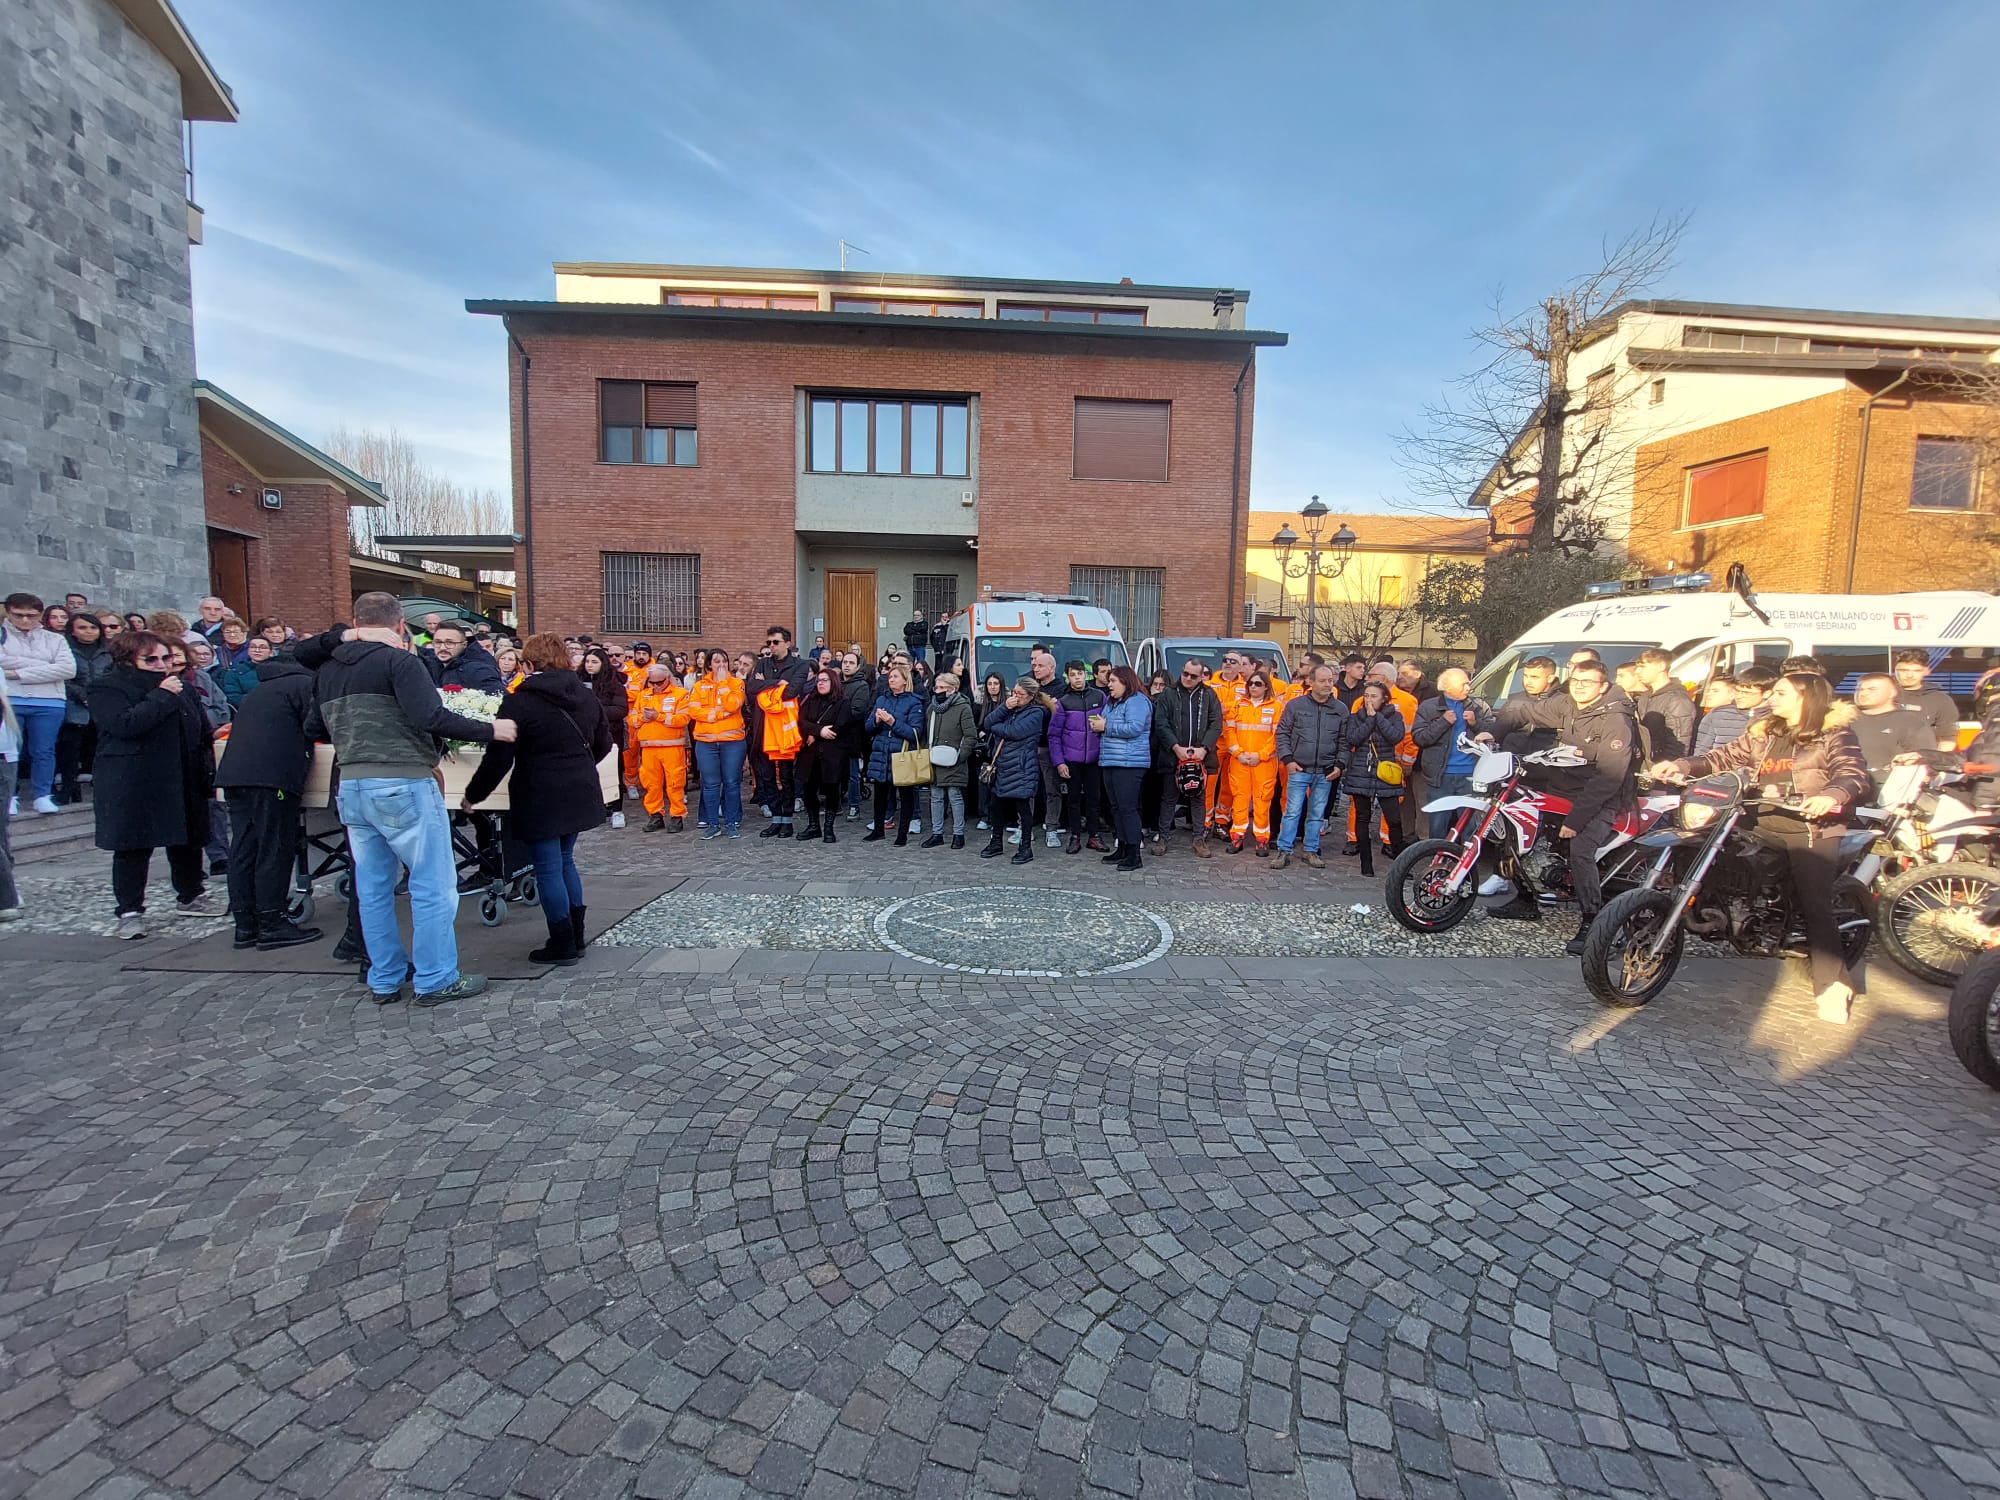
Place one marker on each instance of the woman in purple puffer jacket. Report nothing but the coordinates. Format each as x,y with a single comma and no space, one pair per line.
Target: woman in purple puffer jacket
1073,752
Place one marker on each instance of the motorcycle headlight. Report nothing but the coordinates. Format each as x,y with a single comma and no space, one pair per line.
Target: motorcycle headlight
1695,816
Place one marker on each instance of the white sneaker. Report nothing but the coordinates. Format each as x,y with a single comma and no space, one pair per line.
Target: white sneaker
618,820
13,807
201,906
631,790
47,805
982,823
1013,835
131,924
915,826
764,810
12,913
1055,838
1495,885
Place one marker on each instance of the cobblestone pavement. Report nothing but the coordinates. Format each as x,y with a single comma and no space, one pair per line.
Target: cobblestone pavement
1320,1229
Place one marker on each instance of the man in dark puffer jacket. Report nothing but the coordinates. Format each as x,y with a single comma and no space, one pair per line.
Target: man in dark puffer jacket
262,775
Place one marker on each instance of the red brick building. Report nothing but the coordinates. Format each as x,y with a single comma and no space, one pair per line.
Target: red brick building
277,515
700,452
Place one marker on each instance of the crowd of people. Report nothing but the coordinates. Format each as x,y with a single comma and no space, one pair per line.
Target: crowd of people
1079,753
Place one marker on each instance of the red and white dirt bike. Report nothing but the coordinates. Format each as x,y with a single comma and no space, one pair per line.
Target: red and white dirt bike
1433,884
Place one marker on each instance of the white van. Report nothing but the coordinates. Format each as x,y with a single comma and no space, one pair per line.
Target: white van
1169,653
996,634
1849,634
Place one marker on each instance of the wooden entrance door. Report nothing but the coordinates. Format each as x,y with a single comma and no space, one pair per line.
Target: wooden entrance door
850,609
229,571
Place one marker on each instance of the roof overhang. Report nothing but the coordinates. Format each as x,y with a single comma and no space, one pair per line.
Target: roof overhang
658,313
489,553
1713,360
904,281
273,454
204,96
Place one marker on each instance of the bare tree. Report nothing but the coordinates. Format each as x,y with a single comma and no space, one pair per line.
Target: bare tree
1515,421
422,500
1363,615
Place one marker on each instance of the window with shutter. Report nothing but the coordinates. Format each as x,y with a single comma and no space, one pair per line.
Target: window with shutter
1120,439
1728,491
646,422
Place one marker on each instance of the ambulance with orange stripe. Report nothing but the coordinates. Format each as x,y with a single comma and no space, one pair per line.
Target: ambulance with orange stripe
997,633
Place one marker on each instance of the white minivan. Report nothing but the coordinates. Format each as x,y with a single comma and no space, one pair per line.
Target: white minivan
997,633
1849,634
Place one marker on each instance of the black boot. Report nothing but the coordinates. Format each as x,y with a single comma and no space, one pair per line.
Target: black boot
1117,853
873,836
935,841
1520,909
561,949
995,846
657,823
777,831
810,831
276,930
827,836
576,926
1129,860
246,930
958,841
1574,947
1025,854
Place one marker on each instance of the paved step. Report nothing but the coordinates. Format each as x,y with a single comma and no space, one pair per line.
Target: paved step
43,836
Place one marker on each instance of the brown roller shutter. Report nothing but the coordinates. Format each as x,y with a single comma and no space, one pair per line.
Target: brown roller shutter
622,403
1121,439
669,405
1727,491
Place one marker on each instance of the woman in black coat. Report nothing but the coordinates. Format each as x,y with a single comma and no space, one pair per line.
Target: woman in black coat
554,794
826,724
1372,733
607,685
154,775
1015,731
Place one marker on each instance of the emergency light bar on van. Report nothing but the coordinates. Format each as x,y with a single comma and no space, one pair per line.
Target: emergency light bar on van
1663,583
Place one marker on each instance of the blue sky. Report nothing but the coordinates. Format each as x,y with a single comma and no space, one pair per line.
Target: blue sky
1374,174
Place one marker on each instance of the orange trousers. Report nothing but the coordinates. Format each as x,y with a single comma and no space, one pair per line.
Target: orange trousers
631,760
663,774
1250,789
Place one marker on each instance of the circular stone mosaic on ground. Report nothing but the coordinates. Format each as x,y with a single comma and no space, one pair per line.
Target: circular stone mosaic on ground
1023,932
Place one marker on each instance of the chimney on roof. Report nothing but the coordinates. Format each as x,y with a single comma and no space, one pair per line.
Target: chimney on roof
1124,280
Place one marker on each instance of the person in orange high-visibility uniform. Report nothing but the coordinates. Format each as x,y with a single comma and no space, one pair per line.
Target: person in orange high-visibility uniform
1227,685
635,667
714,709
1250,751
1384,672
658,729
778,732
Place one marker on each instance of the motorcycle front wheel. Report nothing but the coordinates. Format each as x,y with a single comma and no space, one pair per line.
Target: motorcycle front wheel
1415,887
1928,917
1974,1018
1616,966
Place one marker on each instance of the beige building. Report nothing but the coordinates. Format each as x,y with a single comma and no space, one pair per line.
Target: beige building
1368,607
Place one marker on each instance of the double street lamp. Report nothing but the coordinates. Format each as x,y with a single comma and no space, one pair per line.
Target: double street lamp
1327,562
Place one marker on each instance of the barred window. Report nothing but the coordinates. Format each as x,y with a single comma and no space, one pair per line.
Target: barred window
936,594
652,591
1132,595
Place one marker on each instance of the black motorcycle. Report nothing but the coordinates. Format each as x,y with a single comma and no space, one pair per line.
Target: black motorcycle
1712,878
1974,1017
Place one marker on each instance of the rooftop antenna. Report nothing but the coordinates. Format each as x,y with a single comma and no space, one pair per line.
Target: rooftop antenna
845,247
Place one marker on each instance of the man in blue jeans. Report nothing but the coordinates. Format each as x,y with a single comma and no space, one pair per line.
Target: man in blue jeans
387,721
1309,747
38,665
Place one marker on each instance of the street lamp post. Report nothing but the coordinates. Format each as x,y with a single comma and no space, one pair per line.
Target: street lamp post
1319,563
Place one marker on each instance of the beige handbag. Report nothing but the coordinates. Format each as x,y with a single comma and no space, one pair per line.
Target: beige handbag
910,767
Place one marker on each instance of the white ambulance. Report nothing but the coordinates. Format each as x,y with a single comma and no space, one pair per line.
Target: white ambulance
997,633
1849,634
